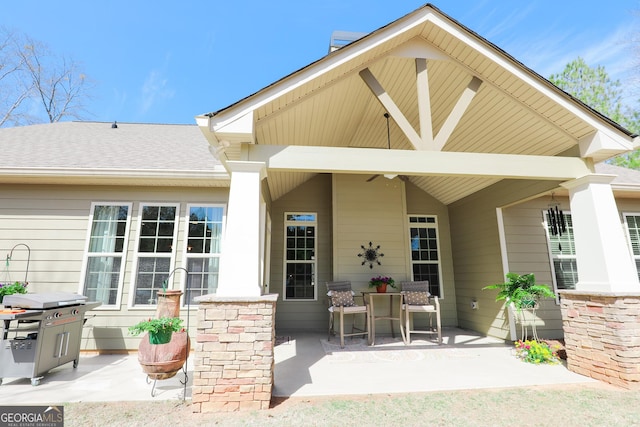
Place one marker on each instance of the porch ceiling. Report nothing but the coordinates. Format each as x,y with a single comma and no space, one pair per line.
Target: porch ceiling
333,106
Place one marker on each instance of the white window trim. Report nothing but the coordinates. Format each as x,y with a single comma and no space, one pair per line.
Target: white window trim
134,268
284,256
186,254
439,263
85,259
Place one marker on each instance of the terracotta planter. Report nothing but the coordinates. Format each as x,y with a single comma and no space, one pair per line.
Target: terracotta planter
381,289
168,303
162,361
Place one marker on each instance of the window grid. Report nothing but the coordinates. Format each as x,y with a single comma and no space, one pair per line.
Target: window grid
300,262
158,228
425,253
205,227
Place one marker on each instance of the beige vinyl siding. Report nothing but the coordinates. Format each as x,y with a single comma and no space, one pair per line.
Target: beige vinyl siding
421,203
370,212
528,252
54,224
312,196
477,256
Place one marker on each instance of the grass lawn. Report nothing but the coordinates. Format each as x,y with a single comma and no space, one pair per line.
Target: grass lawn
594,404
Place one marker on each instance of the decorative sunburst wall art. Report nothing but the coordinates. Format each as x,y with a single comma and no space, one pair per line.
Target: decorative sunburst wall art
370,255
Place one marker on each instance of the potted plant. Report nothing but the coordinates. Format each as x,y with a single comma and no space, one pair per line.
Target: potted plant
381,283
159,329
12,288
521,291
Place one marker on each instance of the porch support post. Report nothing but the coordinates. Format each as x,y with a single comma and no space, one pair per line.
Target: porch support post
239,273
604,260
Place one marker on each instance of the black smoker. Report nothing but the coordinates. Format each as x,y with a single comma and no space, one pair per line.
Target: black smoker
41,332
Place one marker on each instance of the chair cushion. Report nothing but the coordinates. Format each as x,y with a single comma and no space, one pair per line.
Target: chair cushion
416,298
349,310
419,308
342,298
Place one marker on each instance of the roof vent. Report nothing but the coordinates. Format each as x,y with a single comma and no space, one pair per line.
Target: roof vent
114,125
342,38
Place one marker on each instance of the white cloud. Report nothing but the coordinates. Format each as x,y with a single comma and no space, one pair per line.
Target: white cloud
156,88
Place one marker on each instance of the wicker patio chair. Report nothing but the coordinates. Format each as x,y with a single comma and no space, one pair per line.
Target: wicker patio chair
341,299
417,299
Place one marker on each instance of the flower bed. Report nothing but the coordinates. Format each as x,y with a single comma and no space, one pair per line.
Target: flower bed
537,352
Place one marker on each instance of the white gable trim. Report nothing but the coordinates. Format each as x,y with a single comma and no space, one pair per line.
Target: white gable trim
378,37
324,65
530,78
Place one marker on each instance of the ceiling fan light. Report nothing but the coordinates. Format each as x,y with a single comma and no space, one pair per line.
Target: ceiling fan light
390,175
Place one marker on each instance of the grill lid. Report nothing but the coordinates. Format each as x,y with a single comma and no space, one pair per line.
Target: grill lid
43,300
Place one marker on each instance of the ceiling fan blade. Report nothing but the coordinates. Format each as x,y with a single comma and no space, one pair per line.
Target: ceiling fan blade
404,178
373,177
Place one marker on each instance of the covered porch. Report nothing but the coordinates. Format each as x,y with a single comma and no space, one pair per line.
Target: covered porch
422,124
306,366
421,119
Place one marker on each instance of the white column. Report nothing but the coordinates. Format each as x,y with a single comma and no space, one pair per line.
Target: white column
605,262
239,273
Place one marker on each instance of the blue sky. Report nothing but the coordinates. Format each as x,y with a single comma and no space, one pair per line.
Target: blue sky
168,61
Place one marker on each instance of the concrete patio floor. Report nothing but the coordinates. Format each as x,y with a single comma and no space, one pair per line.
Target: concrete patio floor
308,365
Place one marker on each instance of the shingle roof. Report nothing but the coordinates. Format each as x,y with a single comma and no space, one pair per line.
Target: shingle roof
96,145
624,175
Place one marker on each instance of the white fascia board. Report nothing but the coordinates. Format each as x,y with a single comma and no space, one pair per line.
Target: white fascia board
217,173
419,163
632,188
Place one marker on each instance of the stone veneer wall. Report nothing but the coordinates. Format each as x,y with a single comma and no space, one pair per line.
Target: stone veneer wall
234,353
602,335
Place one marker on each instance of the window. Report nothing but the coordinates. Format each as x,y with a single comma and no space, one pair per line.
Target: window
203,248
106,246
562,252
632,221
425,252
300,259
156,244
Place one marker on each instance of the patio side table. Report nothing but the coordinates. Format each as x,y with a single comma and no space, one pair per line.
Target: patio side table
370,298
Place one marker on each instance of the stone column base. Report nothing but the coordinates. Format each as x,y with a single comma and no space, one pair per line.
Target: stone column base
602,335
234,353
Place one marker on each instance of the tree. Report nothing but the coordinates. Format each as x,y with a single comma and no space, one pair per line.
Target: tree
594,87
36,85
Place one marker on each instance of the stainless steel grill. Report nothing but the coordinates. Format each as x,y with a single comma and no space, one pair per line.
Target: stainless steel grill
41,332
